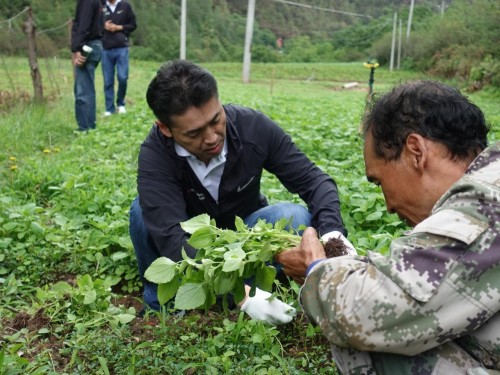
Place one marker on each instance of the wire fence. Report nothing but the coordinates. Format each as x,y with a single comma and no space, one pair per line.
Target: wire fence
32,66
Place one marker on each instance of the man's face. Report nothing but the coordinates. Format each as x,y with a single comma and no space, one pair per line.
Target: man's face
201,131
402,184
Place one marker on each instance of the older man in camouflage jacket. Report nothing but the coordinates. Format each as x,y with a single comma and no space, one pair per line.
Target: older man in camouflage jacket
432,306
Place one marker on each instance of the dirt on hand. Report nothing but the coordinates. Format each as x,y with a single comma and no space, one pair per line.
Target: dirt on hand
335,247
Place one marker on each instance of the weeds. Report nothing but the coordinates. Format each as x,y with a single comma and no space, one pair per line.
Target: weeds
69,289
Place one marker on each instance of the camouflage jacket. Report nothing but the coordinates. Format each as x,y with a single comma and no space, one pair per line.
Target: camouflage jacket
432,306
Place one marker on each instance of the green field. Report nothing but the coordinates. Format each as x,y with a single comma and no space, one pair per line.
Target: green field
69,289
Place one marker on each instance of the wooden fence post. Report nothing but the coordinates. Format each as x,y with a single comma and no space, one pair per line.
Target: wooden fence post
36,77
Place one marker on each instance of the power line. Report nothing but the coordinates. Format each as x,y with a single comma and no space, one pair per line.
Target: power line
320,8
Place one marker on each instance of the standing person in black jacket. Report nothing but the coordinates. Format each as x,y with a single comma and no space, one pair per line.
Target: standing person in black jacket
204,157
86,48
119,24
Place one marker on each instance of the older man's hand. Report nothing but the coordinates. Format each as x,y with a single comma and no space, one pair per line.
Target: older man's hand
296,260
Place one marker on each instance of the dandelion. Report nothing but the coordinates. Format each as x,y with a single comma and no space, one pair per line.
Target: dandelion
13,168
47,151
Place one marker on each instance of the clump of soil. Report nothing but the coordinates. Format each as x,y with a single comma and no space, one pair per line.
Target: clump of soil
335,247
33,323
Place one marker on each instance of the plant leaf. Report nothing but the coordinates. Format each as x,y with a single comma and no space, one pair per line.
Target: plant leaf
233,259
9,226
119,255
239,290
190,296
240,224
166,291
264,277
161,271
235,246
85,282
36,228
89,297
224,282
125,318
202,238
61,287
374,216
192,225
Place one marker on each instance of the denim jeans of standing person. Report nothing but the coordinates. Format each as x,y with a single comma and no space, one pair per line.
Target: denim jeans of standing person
84,88
146,251
111,58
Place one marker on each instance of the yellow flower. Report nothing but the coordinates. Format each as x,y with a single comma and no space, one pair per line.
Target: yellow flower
13,167
47,151
12,158
56,149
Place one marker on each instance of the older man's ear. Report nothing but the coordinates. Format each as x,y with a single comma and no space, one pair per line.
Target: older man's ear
416,148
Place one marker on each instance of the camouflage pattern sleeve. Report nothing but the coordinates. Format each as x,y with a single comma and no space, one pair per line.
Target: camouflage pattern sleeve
436,298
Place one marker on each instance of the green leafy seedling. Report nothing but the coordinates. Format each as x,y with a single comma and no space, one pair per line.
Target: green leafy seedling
224,260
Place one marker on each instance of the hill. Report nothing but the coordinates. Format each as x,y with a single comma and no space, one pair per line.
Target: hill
455,39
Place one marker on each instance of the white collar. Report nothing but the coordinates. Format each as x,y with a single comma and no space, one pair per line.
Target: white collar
113,5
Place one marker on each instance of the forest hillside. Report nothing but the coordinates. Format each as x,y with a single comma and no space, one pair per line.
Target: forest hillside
455,39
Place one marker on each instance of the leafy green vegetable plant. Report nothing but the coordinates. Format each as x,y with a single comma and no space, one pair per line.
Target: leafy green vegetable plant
224,260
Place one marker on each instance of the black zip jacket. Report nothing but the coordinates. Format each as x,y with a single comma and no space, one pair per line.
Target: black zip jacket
88,23
123,15
170,192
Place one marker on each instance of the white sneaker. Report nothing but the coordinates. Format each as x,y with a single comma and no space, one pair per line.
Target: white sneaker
121,109
107,113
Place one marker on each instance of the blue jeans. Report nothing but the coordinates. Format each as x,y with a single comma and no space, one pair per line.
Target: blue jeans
146,251
111,58
84,88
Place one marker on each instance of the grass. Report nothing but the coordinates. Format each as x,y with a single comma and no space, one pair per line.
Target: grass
69,289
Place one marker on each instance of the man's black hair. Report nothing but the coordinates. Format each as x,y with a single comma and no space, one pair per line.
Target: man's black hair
432,109
178,85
